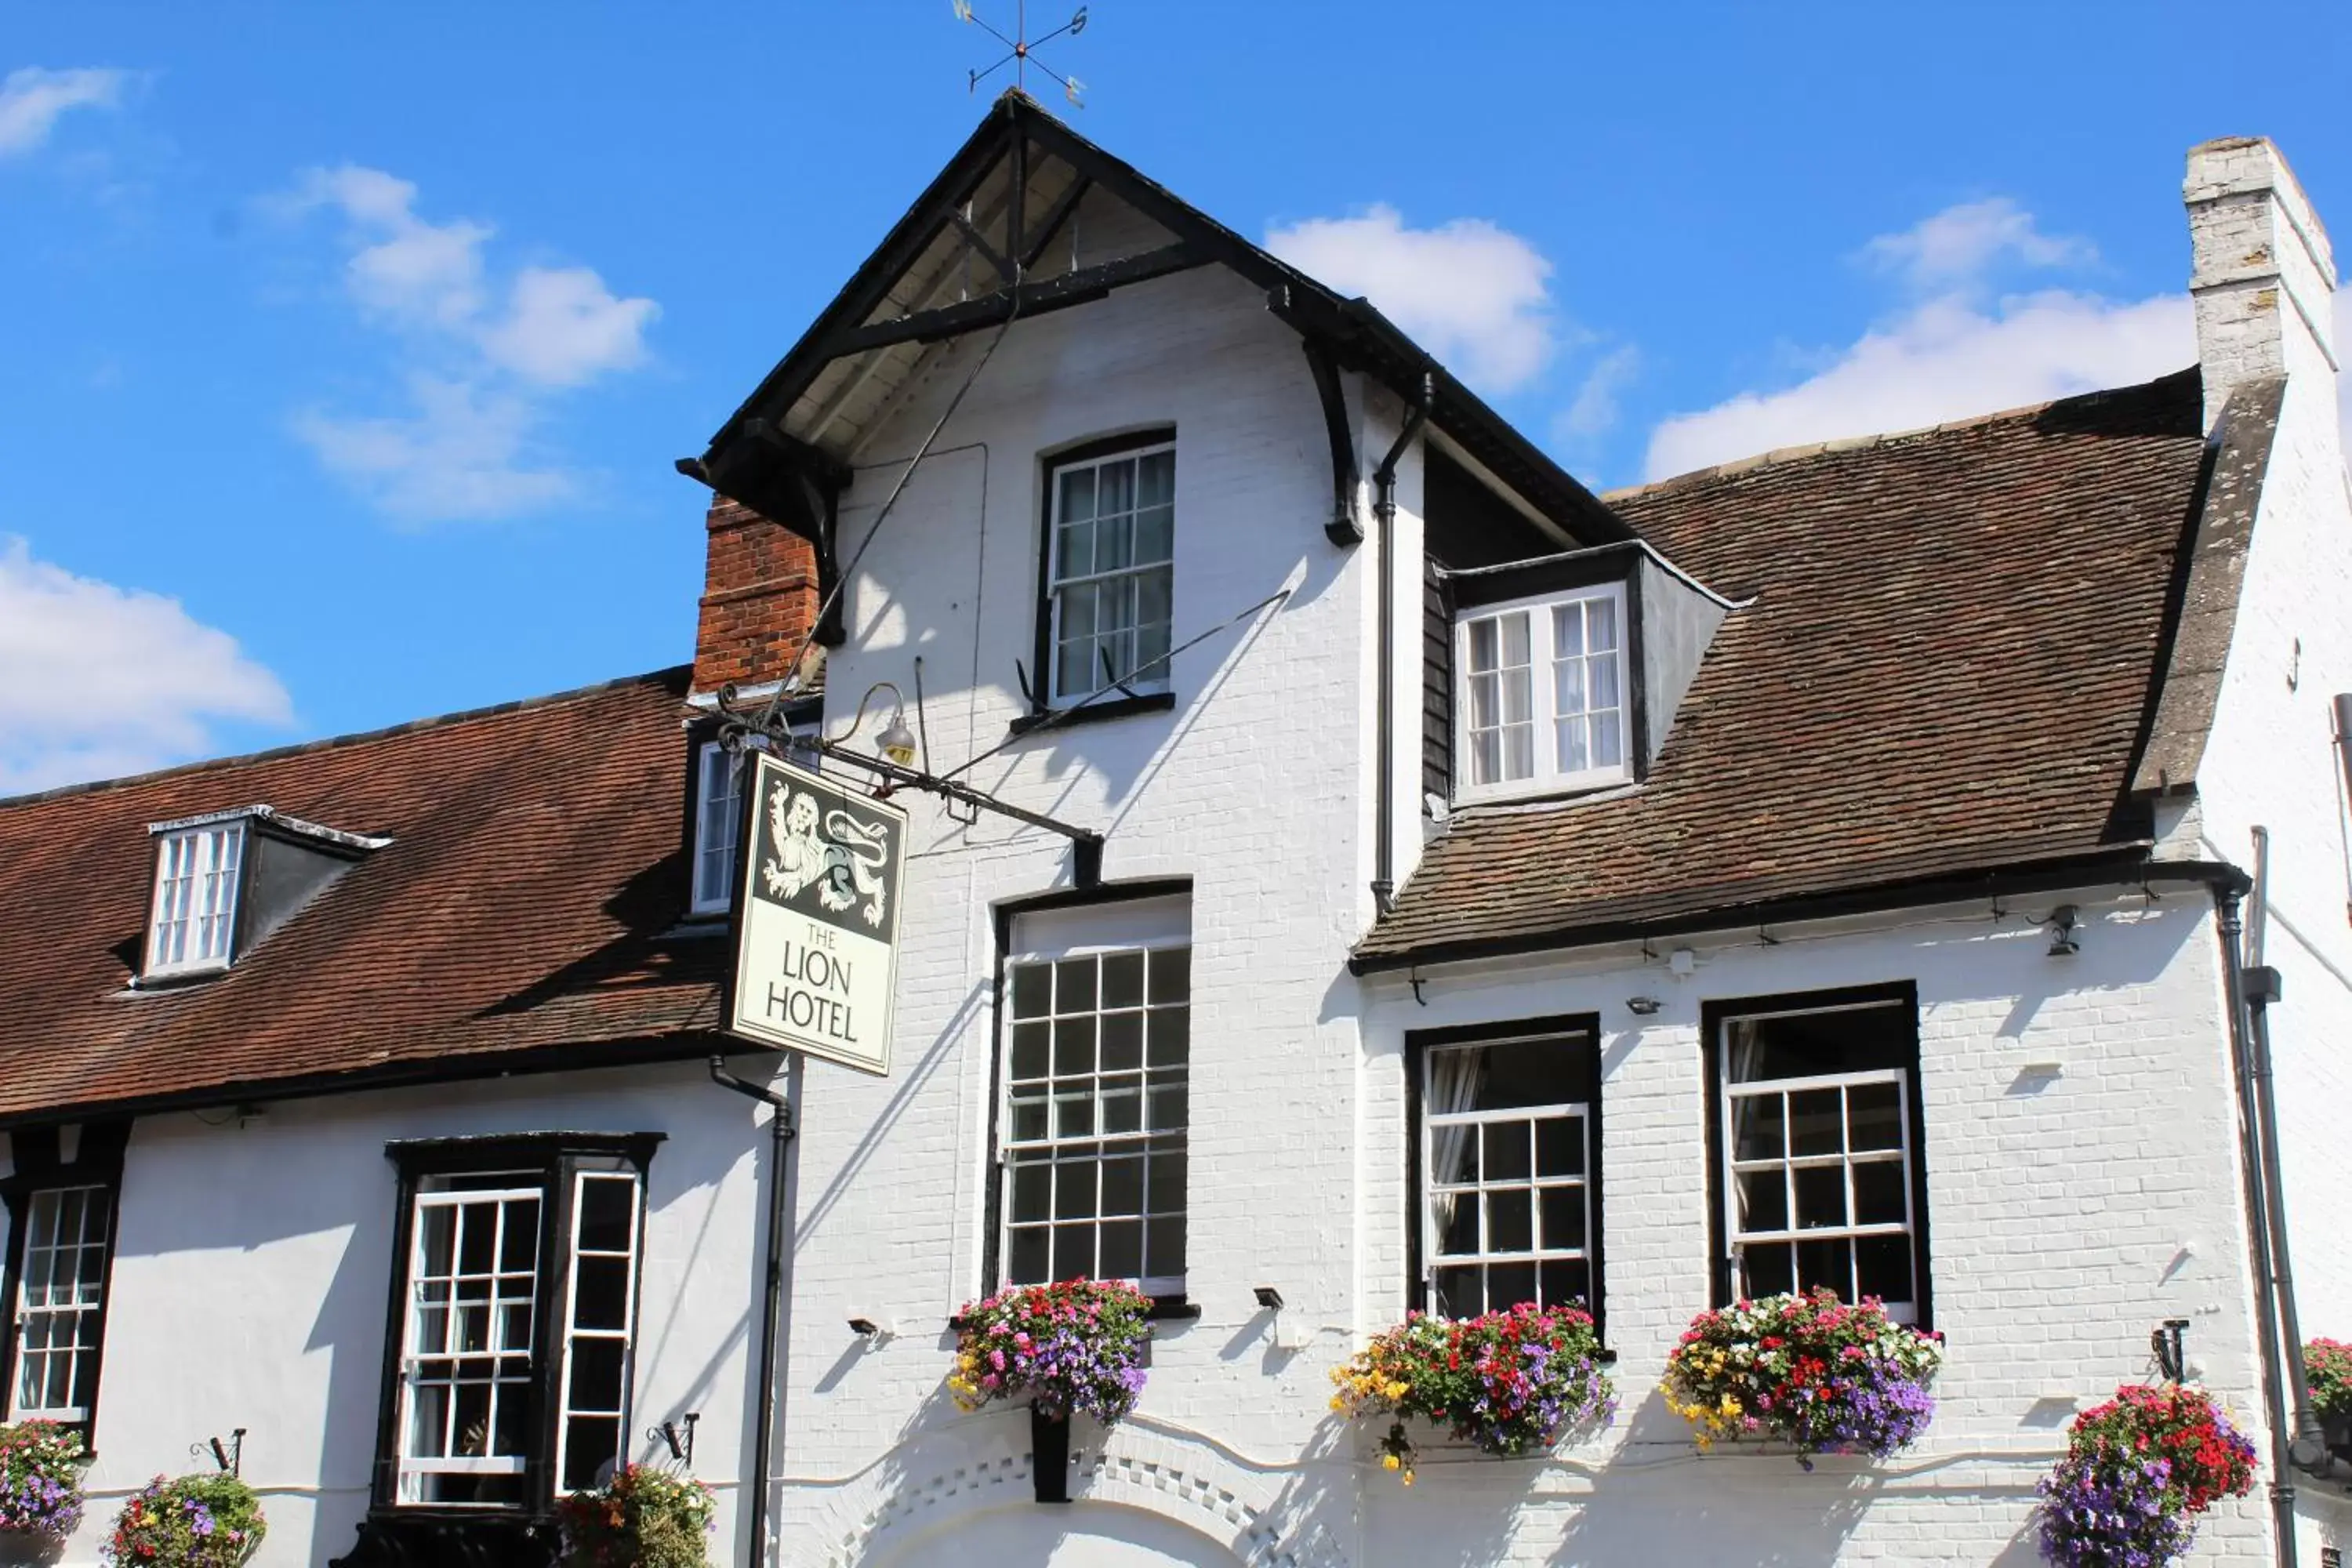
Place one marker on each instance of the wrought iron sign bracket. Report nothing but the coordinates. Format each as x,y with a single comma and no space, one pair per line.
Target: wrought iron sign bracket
1085,843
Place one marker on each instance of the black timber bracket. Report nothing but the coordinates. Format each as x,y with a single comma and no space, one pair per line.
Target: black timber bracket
1079,287
1344,527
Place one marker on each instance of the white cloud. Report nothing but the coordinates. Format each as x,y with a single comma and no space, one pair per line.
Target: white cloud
1946,360
564,327
1954,351
1962,242
1593,411
462,453
1474,295
483,356
32,100
96,681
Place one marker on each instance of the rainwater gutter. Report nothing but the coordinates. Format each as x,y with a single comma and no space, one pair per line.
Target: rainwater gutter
780,1132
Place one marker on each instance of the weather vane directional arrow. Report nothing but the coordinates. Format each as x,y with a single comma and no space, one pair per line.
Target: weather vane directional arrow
1024,49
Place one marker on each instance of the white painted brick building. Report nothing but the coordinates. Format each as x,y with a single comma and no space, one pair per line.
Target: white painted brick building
1890,720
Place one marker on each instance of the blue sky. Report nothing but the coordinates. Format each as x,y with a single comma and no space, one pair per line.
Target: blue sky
347,349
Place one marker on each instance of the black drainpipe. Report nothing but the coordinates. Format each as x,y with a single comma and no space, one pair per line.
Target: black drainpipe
2308,1445
2258,1185
780,1132
1384,784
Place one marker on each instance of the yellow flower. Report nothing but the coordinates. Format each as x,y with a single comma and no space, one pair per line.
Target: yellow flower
1388,1461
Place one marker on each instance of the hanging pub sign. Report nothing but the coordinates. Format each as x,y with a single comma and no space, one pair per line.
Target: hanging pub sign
816,932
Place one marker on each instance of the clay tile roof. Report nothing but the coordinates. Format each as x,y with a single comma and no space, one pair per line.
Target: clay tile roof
1950,666
536,862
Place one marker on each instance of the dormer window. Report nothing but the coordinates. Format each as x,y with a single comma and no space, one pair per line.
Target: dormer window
1542,704
226,880
718,809
195,922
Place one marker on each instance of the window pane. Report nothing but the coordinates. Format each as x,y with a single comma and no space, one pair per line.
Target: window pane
1027,1263
1505,1145
1601,624
1878,1197
592,1446
1077,500
1074,1046
1758,1127
1164,1189
1827,1261
1031,1059
1485,646
1115,488
1515,639
1510,1221
1519,752
1028,1118
1155,533
1163,1247
1122,1039
1573,755
1875,1116
1122,980
598,1367
1816,1121
1600,682
1032,1189
1073,1189
1767,1268
1568,688
1171,1036
1763,1200
1167,1108
1563,1218
1122,1185
1518,696
1122,1251
1074,986
1608,744
1566,630
1565,1281
602,1298
1122,1105
1171,972
1032,990
1820,1196
1155,478
1560,1146
1883,1267
1456,1217
1508,1284
1461,1293
1074,1251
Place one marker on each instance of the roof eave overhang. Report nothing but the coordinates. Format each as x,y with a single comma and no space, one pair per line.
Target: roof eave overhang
751,459
2129,864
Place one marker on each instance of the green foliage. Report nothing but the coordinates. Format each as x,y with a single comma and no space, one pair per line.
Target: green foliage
644,1518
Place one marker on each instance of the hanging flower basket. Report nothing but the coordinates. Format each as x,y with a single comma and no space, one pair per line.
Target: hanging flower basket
643,1518
2138,1472
1076,1346
2328,1368
210,1520
1822,1377
1512,1383
41,1466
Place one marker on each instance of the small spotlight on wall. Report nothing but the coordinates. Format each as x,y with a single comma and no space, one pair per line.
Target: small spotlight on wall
2062,925
865,1328
1642,1006
1269,1298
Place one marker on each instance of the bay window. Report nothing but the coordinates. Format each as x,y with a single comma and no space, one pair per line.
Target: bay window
515,1313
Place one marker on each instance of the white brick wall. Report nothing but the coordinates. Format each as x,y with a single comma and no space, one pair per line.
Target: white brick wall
253,1271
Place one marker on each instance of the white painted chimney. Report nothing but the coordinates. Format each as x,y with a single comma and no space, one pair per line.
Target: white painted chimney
2261,273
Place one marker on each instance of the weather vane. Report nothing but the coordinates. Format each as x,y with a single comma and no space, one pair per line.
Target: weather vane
1024,49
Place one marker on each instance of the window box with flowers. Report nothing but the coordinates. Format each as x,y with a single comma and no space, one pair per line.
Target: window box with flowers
642,1518
2327,1370
1808,1371
2138,1471
41,1466
196,1522
1079,1345
1513,1382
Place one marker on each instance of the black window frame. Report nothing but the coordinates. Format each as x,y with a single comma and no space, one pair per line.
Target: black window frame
1043,703
1418,1043
555,1159
1714,1014
1007,914
40,1165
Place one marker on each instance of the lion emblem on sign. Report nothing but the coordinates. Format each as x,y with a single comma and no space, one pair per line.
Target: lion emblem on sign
844,863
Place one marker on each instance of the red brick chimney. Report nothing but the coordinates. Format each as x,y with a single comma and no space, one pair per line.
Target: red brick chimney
759,598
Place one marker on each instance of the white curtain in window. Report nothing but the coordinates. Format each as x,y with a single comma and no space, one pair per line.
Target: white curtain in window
1455,1078
1744,1054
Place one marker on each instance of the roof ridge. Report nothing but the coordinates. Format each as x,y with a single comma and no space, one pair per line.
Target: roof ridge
356,737
1779,454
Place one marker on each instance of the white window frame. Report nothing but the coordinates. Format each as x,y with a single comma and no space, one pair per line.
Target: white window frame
1544,704
1903,1155
627,1334
1534,1183
1140,926
85,1311
714,832
191,922
412,1469
1049,679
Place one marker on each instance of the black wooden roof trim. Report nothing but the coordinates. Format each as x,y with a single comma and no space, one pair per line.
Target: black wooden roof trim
1356,334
